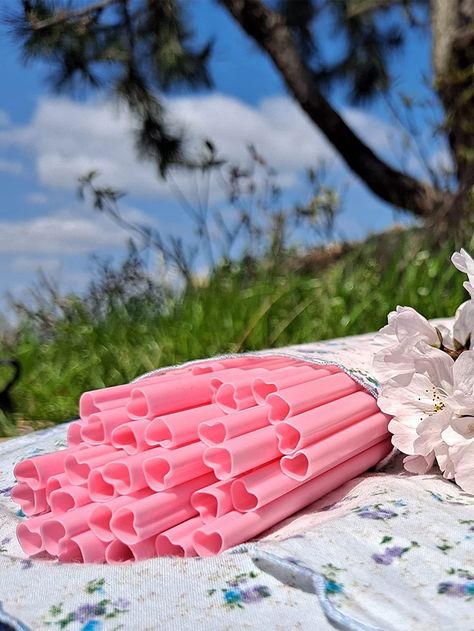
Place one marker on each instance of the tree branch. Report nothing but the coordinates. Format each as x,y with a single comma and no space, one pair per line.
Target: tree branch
270,32
64,15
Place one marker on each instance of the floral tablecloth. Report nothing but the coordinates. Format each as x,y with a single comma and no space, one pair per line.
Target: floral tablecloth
386,551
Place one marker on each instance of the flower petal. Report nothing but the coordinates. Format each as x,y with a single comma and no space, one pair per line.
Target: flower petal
418,464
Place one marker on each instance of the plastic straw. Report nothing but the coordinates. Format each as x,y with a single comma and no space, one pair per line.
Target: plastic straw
173,467
215,432
127,475
58,527
284,378
28,533
82,548
331,451
99,519
213,501
68,498
234,527
304,396
131,436
178,541
78,466
156,513
242,453
303,429
179,428
31,502
119,552
56,482
100,425
36,471
73,437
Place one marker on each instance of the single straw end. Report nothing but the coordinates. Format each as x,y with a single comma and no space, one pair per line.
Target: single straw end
288,437
242,499
278,408
77,472
156,471
225,397
99,523
261,389
100,490
295,467
87,405
26,471
52,532
70,552
31,502
30,542
93,433
165,548
118,553
137,406
212,432
220,461
207,543
122,525
158,433
124,438
115,475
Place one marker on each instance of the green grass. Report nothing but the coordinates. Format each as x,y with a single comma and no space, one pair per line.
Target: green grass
230,314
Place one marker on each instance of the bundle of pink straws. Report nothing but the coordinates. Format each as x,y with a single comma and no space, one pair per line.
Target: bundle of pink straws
198,459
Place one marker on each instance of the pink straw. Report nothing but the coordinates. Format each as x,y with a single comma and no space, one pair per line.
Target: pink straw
178,541
127,475
302,430
149,401
257,488
99,519
331,451
213,501
68,498
179,428
100,425
173,467
79,465
131,436
82,548
231,398
56,482
284,378
99,489
234,528
74,438
63,526
119,552
205,367
94,400
242,453
31,502
215,432
305,396
28,533
152,515
36,471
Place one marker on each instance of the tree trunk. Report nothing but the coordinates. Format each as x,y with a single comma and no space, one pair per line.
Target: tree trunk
270,32
453,62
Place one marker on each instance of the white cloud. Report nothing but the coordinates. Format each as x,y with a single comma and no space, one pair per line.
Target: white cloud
62,233
68,139
12,167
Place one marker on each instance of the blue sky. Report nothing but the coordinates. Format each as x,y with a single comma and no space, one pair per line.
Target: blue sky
47,141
